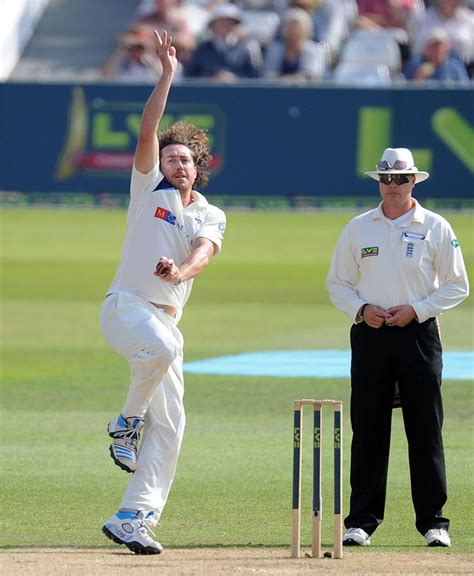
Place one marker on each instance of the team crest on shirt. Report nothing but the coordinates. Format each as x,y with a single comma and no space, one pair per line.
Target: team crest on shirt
166,215
369,251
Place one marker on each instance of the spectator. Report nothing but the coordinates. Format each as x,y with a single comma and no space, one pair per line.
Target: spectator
436,62
226,55
168,15
332,21
385,13
296,57
456,20
392,16
135,59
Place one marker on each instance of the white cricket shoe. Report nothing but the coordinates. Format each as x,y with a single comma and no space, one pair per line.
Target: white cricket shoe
126,435
355,537
438,537
132,530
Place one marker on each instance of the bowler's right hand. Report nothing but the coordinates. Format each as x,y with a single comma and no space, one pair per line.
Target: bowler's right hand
167,270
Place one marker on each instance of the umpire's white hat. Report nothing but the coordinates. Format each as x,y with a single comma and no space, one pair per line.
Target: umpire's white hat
397,161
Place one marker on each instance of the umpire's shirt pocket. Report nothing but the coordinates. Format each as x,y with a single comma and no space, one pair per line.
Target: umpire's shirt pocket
413,247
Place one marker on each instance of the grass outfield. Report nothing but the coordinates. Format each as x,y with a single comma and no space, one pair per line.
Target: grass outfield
61,385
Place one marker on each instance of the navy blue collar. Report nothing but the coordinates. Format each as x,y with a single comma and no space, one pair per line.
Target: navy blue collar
164,185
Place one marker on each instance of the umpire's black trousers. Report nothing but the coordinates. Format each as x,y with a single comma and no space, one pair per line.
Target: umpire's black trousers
381,357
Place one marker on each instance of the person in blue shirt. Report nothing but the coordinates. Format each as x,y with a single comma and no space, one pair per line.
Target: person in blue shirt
437,62
226,55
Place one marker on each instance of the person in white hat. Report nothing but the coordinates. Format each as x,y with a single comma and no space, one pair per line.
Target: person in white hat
227,54
395,269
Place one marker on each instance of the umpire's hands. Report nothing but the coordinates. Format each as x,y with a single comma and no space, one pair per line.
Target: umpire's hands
375,316
400,315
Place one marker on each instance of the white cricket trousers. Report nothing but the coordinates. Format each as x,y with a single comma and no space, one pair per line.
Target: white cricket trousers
150,341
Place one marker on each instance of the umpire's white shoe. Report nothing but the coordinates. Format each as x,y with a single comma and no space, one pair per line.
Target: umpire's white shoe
126,435
438,537
132,530
355,537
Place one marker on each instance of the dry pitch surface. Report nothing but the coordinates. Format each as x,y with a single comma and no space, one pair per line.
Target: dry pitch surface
228,561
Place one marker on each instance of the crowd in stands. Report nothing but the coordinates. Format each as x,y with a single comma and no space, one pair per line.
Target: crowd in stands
370,42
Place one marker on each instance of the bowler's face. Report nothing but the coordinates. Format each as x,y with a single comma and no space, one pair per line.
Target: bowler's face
177,166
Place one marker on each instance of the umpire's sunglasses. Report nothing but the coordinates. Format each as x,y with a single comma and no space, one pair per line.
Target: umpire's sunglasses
397,165
397,178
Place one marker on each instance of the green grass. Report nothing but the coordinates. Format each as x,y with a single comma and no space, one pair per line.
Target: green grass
61,384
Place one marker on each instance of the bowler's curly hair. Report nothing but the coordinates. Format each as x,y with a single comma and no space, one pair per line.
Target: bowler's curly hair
196,140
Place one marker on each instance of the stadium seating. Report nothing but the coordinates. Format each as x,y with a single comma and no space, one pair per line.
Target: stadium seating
362,74
372,47
260,24
73,39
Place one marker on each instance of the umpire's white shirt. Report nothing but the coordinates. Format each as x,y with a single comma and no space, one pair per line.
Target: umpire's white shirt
158,225
415,259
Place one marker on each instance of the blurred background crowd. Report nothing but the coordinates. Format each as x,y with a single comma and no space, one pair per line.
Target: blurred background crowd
370,42
346,42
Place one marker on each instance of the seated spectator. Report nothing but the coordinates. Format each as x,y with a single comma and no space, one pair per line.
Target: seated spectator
333,21
456,20
296,57
385,13
167,15
135,59
226,55
436,62
393,16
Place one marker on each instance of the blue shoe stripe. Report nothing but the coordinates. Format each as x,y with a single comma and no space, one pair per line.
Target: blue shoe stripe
126,515
124,449
125,454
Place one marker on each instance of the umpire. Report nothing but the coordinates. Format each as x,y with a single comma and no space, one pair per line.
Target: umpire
394,270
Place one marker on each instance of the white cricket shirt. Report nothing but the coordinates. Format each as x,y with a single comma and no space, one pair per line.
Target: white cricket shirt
158,225
415,259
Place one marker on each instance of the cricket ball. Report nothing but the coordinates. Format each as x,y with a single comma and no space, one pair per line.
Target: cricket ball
328,555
